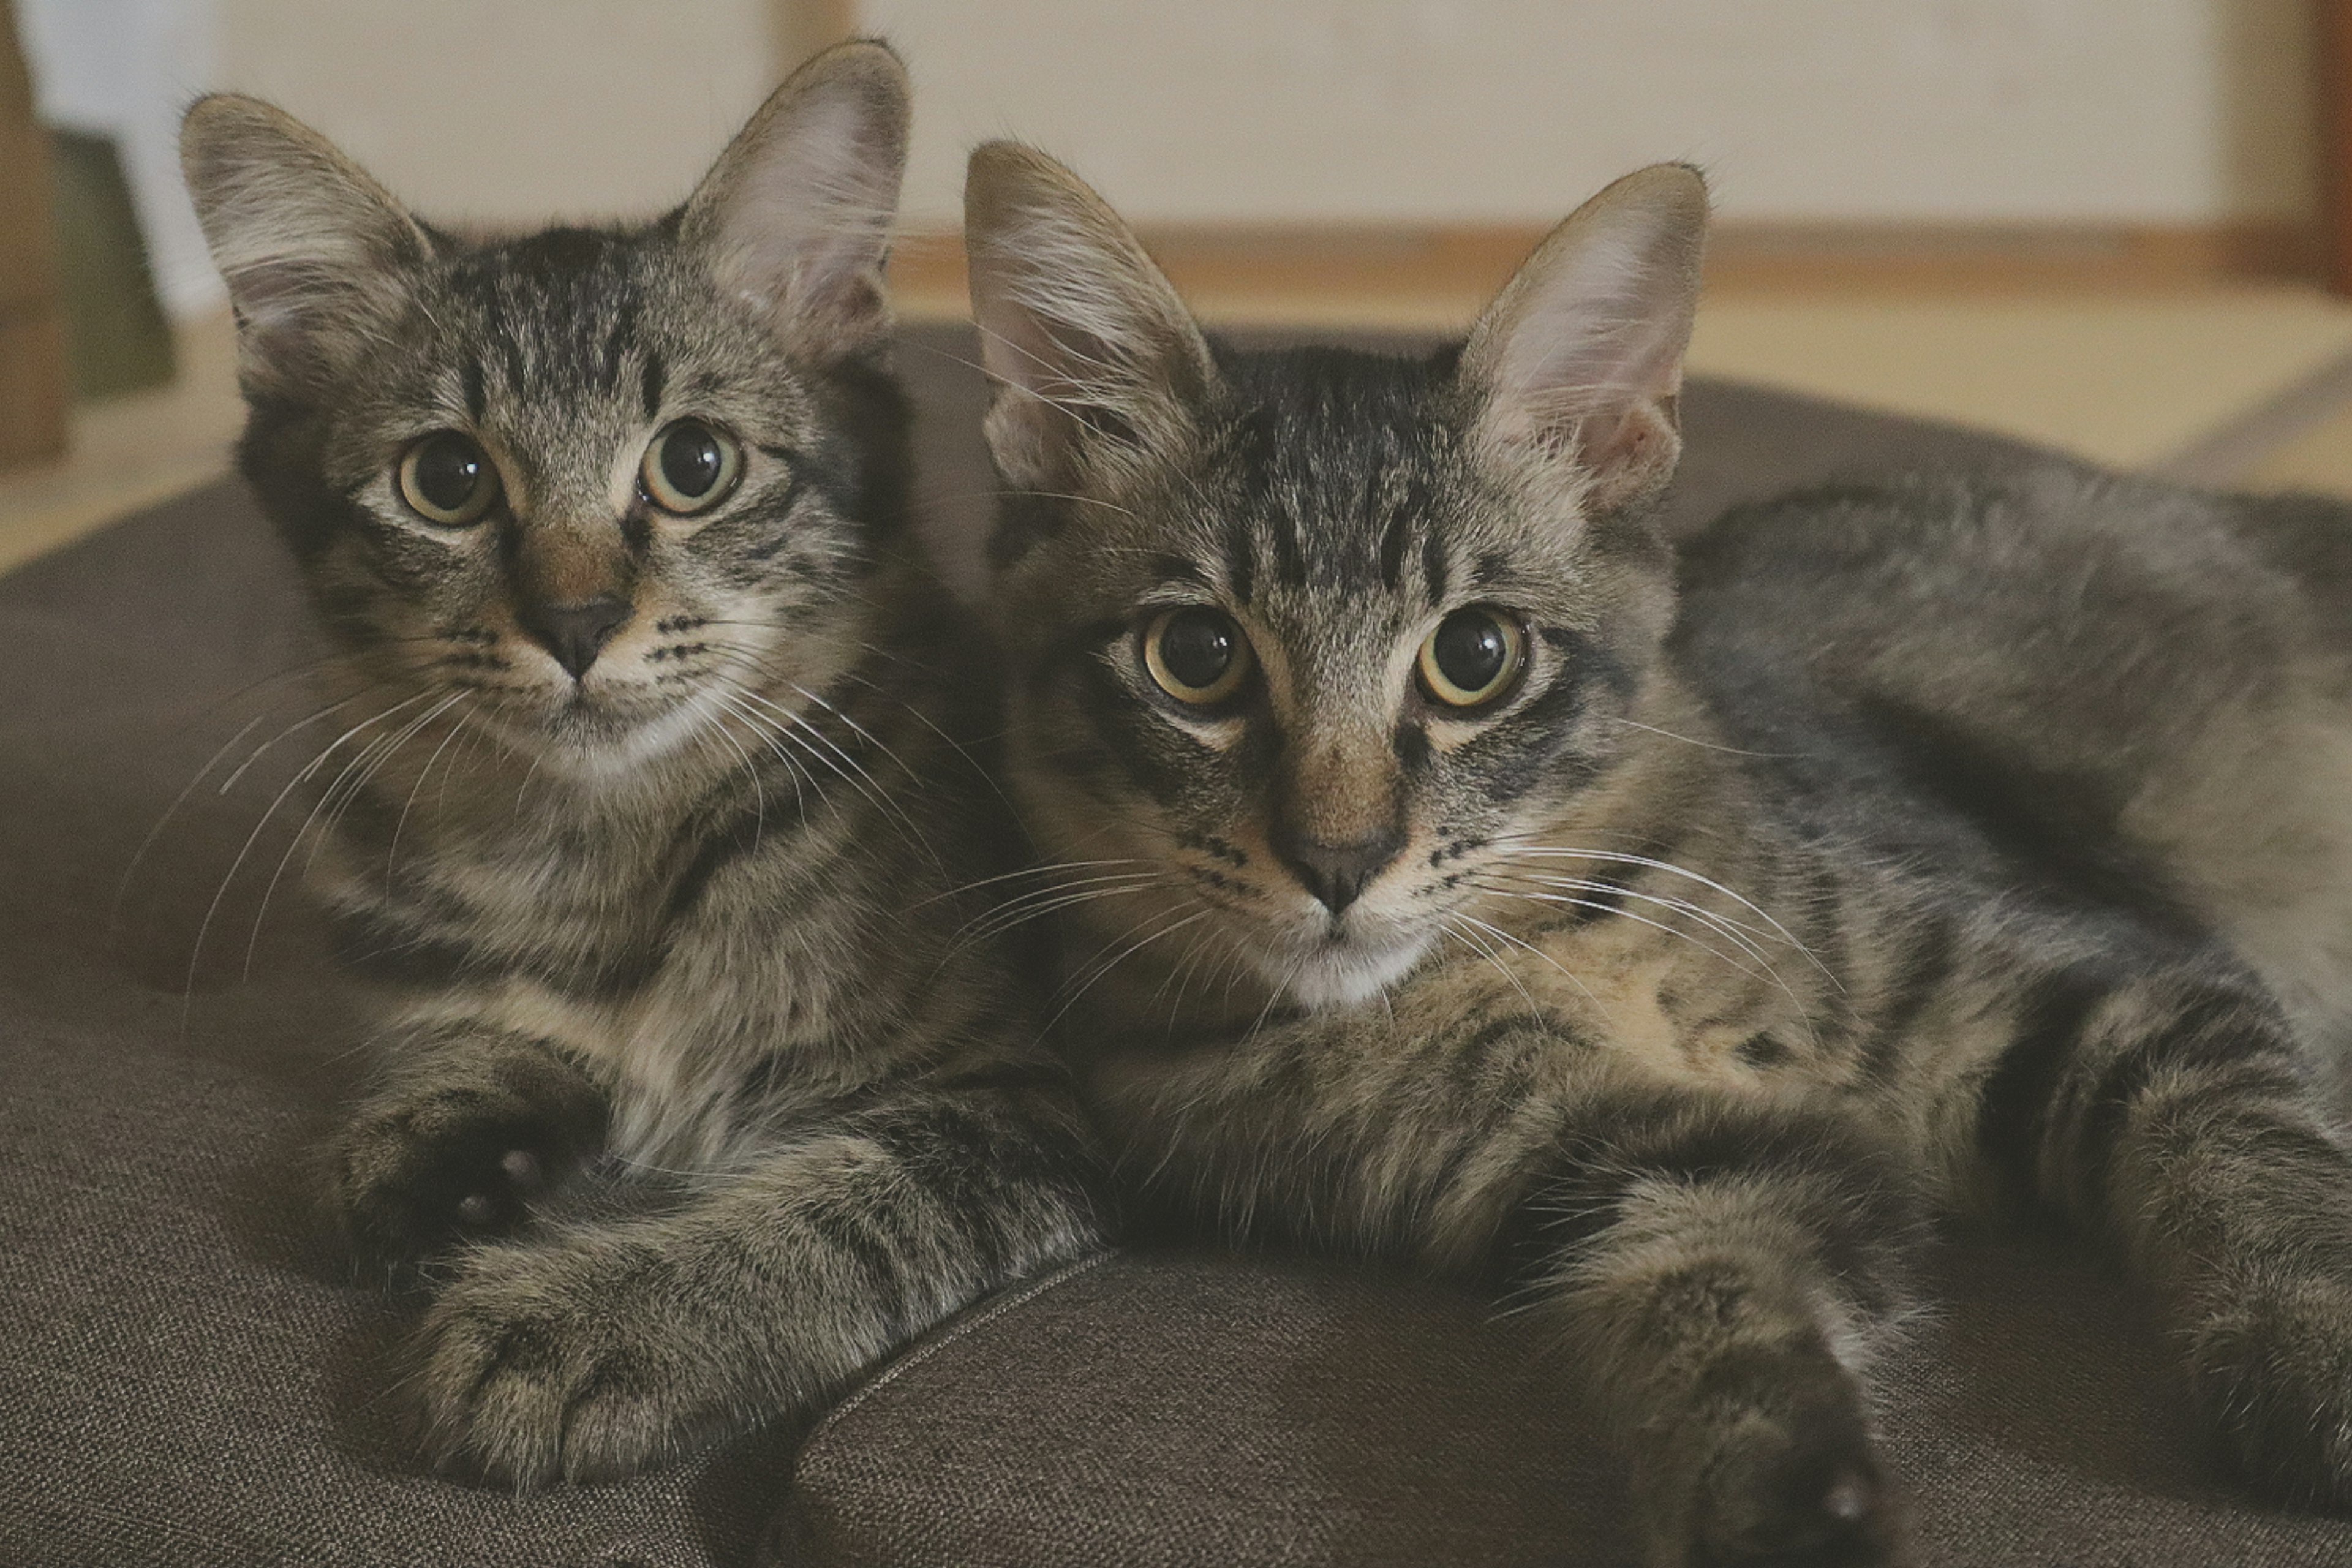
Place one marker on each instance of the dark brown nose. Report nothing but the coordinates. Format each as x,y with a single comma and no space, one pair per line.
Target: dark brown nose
1339,873
574,633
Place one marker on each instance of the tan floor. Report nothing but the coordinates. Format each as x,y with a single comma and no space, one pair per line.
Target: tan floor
129,452
2136,380
2126,381
2320,459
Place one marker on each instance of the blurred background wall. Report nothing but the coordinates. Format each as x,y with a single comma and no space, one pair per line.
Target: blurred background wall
2092,222
1447,110
2176,115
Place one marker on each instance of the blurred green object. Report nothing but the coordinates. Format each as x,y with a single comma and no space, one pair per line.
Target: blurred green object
117,337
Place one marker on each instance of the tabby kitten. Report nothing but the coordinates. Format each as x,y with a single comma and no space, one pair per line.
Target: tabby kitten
1435,891
648,797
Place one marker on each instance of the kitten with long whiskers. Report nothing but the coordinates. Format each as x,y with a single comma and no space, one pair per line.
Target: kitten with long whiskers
1660,942
658,817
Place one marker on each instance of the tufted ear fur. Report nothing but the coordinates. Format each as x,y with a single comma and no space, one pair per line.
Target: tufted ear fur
1581,354
312,249
1097,360
795,216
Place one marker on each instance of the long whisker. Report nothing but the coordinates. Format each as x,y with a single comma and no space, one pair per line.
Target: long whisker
212,910
1693,740
1003,921
821,747
759,791
392,849
1493,959
728,695
1623,913
1103,968
1765,973
959,891
1621,858
1517,940
1738,932
337,796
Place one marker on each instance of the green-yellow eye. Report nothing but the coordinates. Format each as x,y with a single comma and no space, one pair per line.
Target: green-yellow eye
1197,656
690,466
447,479
1473,657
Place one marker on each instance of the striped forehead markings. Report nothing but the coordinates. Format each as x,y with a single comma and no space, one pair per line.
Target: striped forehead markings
650,382
1393,540
618,342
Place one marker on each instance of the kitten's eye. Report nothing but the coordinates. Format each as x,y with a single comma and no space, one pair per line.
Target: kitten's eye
1197,656
690,468
1472,657
447,479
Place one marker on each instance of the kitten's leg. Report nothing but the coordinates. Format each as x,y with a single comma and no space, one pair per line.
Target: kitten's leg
595,1354
1723,1266
1728,1270
460,1125
2177,1116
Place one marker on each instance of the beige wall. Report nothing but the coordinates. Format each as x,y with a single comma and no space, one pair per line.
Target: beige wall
513,110
2118,110
2161,111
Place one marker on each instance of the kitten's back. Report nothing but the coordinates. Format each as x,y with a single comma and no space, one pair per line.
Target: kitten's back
2146,687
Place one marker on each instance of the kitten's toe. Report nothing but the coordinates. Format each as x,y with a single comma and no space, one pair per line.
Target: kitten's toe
411,1180
2273,1371
1824,1510
1792,1478
556,1363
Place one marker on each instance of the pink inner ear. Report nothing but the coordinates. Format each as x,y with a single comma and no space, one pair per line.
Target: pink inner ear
805,226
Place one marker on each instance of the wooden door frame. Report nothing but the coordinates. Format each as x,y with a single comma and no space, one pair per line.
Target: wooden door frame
2334,21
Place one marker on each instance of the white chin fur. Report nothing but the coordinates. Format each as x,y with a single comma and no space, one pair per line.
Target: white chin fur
605,758
1345,976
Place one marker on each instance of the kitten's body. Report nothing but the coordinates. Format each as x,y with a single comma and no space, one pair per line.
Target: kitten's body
1957,846
643,786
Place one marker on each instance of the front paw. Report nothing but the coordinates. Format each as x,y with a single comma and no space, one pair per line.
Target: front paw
2273,1371
577,1362
1780,1474
413,1173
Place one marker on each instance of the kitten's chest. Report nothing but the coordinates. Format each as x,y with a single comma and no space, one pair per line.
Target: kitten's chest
563,887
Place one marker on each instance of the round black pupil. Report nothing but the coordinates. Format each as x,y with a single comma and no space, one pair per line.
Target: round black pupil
1197,649
1471,651
447,471
690,460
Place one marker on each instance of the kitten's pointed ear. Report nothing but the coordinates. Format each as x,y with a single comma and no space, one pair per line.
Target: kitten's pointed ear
795,216
1581,354
313,249
1097,360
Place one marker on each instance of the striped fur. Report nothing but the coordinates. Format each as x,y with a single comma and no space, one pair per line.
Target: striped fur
1959,845
701,910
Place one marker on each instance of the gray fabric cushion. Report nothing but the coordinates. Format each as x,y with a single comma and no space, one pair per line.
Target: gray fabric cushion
1171,1409
186,1378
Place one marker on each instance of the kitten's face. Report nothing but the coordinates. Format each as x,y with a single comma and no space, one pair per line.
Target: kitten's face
593,487
1305,641
584,487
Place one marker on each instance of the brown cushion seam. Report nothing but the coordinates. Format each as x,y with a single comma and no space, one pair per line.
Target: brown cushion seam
949,1336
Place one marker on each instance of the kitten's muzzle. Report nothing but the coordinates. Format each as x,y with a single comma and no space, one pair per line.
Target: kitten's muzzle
1337,874
574,633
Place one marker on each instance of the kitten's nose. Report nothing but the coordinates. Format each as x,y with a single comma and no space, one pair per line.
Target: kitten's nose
574,633
1337,873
